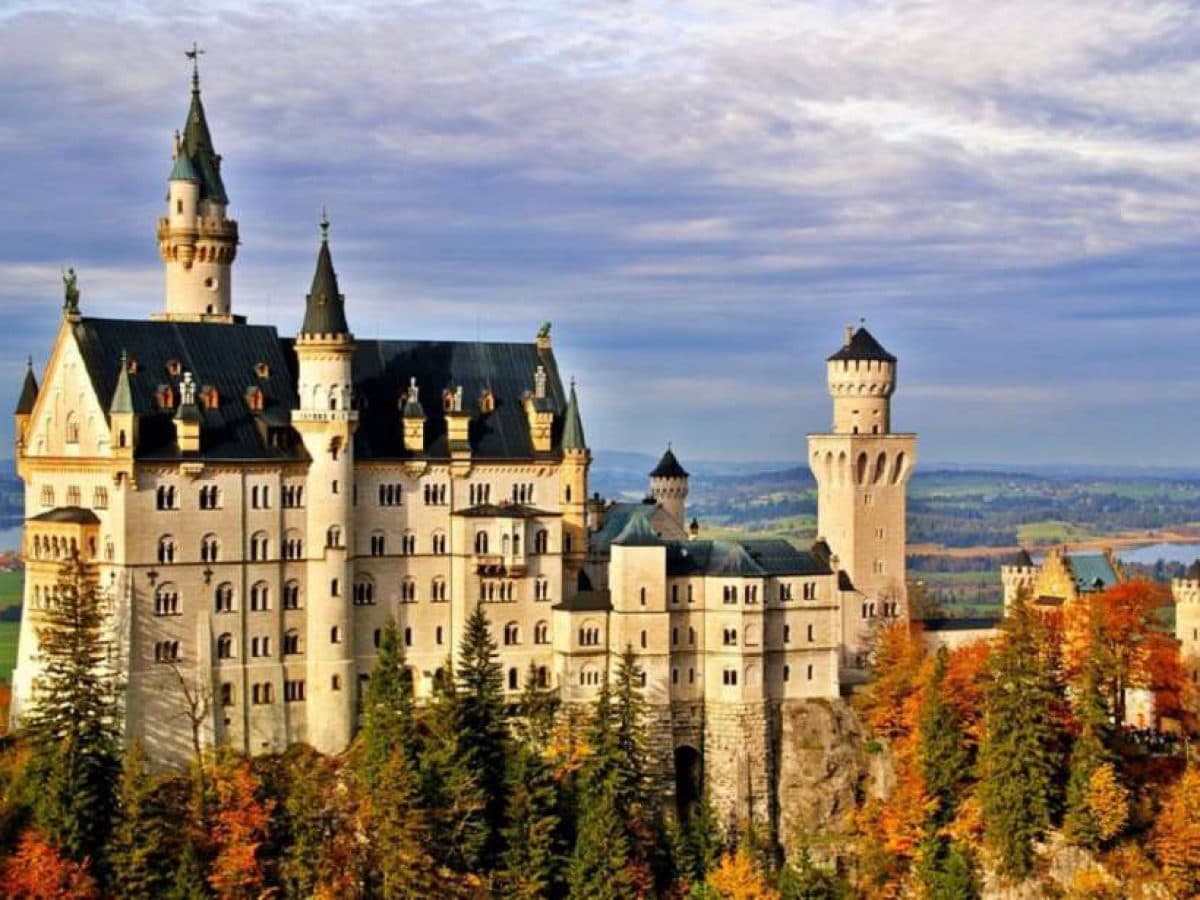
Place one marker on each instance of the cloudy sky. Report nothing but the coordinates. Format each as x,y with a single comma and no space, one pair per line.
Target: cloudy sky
699,195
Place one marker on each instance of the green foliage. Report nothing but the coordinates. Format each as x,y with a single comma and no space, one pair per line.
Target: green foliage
955,877
538,708
1019,759
73,725
388,716
141,847
600,867
1089,752
399,833
188,881
532,859
804,880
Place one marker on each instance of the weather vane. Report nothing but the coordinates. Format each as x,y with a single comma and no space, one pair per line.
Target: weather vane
194,55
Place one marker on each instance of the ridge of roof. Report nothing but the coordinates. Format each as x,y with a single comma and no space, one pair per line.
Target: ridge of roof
572,438
638,533
863,346
669,467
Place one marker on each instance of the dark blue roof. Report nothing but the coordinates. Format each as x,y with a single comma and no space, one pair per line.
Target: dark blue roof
771,557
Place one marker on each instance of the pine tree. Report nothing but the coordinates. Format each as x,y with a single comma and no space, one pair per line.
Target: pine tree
600,865
388,716
140,848
482,727
1019,762
399,833
188,881
1089,752
74,719
538,708
532,857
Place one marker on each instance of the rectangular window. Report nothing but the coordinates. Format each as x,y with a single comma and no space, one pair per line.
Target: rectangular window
729,677
74,496
293,691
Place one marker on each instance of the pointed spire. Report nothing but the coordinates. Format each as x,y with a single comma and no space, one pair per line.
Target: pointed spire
572,438
669,467
29,391
197,142
325,312
122,398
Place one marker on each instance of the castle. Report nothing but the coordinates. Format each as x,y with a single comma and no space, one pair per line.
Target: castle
257,507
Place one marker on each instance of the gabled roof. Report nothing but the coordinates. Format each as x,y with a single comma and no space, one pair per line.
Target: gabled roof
669,467
572,438
325,307
863,346
1092,571
760,558
197,145
29,391
638,532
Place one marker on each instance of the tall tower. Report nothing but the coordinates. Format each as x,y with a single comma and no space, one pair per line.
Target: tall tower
326,422
862,470
574,476
669,486
195,239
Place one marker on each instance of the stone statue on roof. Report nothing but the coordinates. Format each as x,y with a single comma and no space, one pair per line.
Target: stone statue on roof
544,331
70,291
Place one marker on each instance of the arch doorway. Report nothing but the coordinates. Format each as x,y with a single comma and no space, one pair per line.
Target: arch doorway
688,780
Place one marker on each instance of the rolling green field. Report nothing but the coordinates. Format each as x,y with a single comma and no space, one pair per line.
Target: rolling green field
10,595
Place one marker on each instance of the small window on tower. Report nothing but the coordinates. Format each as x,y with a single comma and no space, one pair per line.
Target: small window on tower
179,207
174,367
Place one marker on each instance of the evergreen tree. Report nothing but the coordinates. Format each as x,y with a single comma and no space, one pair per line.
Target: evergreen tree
481,725
704,839
532,857
188,881
73,723
449,785
388,708
600,865
956,877
804,880
629,739
399,833
538,708
140,848
1088,753
1019,761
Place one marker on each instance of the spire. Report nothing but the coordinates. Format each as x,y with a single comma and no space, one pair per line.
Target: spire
572,438
325,312
197,143
122,398
669,467
29,391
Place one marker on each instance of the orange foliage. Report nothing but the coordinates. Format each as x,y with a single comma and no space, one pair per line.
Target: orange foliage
1176,838
37,872
238,831
963,686
888,702
738,878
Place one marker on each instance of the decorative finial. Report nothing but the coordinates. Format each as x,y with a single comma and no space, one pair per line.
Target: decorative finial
29,363
324,226
124,358
70,292
194,55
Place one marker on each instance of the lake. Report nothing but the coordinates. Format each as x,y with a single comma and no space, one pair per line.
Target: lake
1152,553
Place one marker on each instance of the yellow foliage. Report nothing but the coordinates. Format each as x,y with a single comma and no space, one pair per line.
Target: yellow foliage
738,878
1093,884
1176,838
1108,802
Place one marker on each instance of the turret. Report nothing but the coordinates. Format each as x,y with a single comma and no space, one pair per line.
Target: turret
1186,593
1016,575
25,403
195,239
862,377
669,486
412,416
122,418
573,476
188,418
326,422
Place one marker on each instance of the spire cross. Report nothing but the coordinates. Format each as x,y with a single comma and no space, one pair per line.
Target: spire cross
194,55
324,226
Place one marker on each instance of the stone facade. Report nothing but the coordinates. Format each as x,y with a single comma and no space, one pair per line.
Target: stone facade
257,509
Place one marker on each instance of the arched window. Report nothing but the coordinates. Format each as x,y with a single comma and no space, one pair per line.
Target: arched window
589,676
293,545
260,597
378,543
437,589
513,679
335,635
291,595
481,542
166,600
541,633
209,548
166,549
258,546
512,634
225,646
364,592
541,541
439,543
589,635
291,642
333,537
72,428
223,598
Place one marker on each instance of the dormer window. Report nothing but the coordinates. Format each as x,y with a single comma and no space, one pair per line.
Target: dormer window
487,401
132,365
254,399
262,370
174,367
210,397
164,397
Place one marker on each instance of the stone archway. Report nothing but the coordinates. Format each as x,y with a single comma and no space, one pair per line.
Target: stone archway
689,780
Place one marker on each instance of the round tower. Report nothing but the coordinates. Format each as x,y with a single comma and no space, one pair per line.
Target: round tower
326,421
196,240
862,377
669,486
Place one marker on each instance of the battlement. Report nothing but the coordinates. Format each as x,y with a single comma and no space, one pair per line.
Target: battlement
1186,591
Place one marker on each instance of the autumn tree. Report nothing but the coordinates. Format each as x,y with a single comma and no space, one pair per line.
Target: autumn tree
239,829
1019,759
1090,750
1176,836
37,871
738,877
399,833
896,661
73,724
